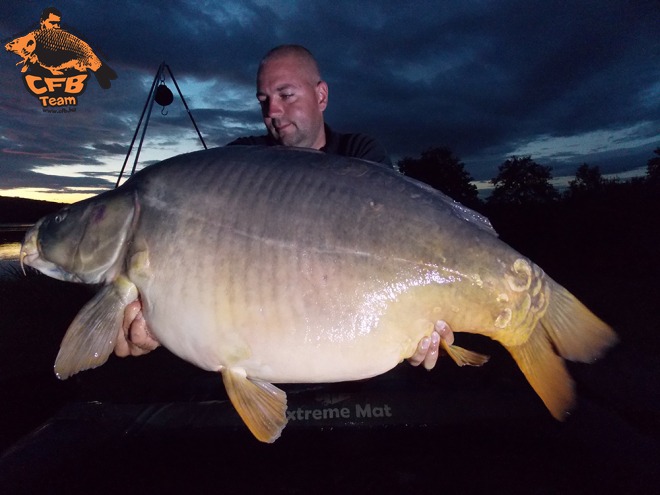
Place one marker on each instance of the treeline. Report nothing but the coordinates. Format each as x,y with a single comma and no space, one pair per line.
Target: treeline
521,181
20,210
599,236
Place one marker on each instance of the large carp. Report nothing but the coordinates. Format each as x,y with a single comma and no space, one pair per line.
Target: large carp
280,265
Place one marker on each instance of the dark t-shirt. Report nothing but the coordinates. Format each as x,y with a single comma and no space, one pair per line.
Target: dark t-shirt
355,145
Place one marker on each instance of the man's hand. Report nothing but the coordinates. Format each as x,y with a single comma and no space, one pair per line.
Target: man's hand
134,338
428,348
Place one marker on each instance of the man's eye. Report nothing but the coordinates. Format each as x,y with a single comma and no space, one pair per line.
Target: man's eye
286,96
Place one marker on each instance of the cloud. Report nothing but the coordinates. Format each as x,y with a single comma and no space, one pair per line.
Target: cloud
487,79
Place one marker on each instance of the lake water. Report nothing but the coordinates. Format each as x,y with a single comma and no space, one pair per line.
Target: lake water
9,251
11,235
9,265
10,247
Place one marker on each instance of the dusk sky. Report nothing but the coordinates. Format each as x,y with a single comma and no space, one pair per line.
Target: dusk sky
566,82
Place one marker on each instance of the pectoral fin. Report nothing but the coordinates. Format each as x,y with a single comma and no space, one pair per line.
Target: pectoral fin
261,405
463,357
91,336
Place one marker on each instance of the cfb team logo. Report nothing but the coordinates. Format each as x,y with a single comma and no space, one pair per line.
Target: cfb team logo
56,64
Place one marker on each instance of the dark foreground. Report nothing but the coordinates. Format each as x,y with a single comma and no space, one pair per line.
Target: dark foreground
450,431
158,425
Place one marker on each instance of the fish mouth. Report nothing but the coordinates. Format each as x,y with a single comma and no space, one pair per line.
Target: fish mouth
31,255
29,249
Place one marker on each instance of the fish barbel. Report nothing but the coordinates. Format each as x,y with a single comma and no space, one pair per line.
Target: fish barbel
277,265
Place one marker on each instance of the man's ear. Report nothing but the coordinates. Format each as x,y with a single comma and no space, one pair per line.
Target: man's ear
322,94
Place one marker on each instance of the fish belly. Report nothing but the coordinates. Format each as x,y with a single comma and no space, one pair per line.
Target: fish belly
335,318
297,274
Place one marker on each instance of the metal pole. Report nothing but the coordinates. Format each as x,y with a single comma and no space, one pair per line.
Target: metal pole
149,99
186,105
144,131
148,106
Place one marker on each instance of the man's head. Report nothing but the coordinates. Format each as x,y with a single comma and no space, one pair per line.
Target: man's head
50,18
292,96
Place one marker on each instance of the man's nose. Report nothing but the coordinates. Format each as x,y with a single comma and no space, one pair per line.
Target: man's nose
272,109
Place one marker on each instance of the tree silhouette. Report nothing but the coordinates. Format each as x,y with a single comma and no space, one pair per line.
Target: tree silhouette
588,180
439,168
653,168
522,181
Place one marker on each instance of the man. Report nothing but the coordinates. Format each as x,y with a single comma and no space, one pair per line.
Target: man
292,97
50,18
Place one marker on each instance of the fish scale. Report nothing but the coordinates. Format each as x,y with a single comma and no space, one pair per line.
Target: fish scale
59,40
274,265
58,49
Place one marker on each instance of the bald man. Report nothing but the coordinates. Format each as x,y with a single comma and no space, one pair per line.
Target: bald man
293,97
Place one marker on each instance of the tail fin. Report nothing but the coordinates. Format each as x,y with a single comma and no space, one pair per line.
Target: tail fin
576,332
567,330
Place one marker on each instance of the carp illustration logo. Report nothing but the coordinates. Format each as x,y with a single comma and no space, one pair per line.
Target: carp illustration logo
56,63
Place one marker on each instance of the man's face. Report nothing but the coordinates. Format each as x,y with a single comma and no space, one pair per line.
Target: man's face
292,102
52,22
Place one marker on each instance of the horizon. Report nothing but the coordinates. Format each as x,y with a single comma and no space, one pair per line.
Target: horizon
484,188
